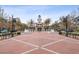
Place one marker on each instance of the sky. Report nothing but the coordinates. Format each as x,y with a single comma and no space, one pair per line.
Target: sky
27,12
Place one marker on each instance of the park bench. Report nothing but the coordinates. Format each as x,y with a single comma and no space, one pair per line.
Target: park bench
4,34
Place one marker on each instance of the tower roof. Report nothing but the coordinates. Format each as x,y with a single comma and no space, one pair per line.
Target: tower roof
39,18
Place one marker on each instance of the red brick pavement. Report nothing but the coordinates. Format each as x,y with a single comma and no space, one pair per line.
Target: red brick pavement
65,47
39,43
40,51
13,47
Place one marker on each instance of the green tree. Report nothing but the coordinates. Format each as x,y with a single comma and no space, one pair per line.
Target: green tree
47,21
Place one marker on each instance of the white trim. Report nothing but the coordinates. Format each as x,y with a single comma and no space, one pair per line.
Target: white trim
50,50
52,43
29,51
26,43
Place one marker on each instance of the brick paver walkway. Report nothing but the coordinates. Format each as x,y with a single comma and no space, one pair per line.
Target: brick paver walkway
39,43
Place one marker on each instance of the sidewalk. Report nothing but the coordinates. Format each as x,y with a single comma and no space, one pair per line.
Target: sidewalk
39,43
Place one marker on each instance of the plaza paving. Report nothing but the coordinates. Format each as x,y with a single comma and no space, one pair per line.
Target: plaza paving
39,43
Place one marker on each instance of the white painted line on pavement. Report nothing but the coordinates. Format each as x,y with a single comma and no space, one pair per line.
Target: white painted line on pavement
50,50
29,51
52,43
26,43
71,40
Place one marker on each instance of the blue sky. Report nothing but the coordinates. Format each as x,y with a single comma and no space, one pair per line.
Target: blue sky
27,12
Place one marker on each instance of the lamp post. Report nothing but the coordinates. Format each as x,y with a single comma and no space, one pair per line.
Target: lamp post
66,25
13,26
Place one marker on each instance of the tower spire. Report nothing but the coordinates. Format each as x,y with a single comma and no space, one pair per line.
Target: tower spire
39,18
